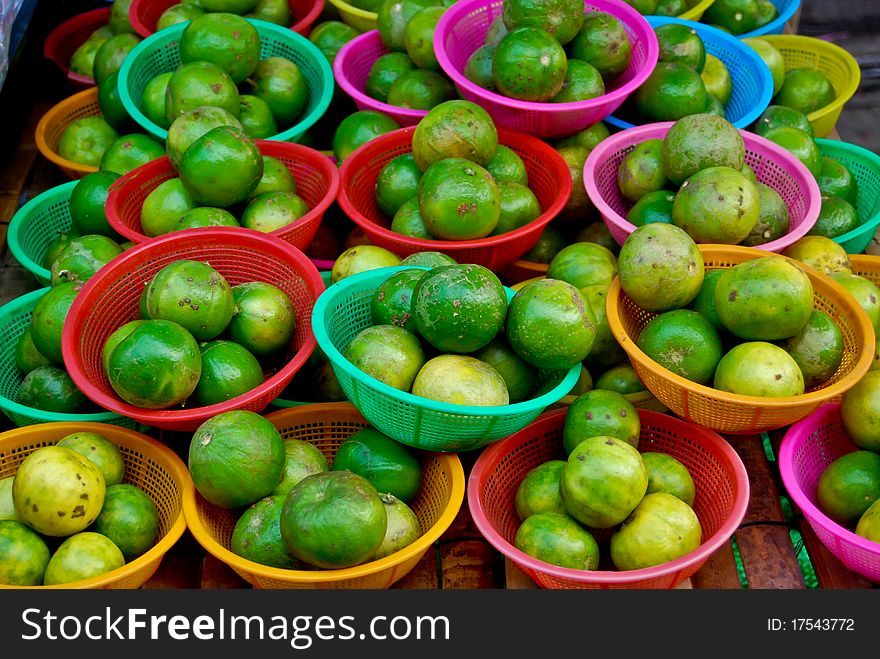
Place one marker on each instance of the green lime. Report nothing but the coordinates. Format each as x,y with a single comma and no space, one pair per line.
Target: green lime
547,246
529,65
153,99
205,216
455,129
518,374
47,319
408,221
25,555
301,459
780,115
817,348
602,412
221,168
736,16
836,217
583,264
837,179
683,342
717,79
653,207
111,106
263,320
85,139
641,170
199,84
384,72
331,36
420,89
771,56
538,491
27,357
129,152
392,17
506,165
276,178
256,117
848,486
271,211
50,389
582,82
389,466
130,518
87,201
418,37
672,91
667,474
479,67
282,85
621,378
100,450
393,300
560,18
588,138
178,13
191,125
716,205
163,207
805,90
357,129
800,144
557,539
773,220
519,206
602,41
680,43
459,200
256,535
228,370
111,54
229,41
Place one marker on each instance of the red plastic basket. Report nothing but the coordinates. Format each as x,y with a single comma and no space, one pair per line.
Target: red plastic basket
110,299
317,182
462,30
809,446
773,166
351,68
722,496
144,14
66,37
549,179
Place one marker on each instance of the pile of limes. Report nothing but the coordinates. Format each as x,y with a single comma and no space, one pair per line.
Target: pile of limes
72,491
550,52
606,483
296,512
199,341
458,183
273,11
740,16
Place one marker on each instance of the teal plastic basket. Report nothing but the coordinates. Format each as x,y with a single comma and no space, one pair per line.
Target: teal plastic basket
865,166
36,224
160,53
343,310
15,318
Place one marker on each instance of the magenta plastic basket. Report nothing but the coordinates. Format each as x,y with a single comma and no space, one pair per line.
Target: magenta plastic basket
773,166
462,30
809,446
351,68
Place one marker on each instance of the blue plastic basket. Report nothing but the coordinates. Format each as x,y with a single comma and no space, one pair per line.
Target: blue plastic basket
160,53
343,310
787,9
752,80
865,167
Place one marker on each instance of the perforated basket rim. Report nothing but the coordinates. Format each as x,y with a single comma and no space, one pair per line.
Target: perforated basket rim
319,163
496,451
288,417
796,436
707,32
630,16
826,49
609,147
156,451
15,307
505,136
372,278
777,24
842,297
339,65
345,7
31,207
193,415
829,147
263,28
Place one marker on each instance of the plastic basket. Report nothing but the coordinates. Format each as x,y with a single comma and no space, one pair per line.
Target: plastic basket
462,30
865,167
343,310
807,449
160,53
773,166
110,299
787,9
66,37
360,19
52,125
837,64
149,465
15,318
326,426
695,12
351,68
867,266
36,224
144,14
316,177
752,81
735,413
722,496
549,179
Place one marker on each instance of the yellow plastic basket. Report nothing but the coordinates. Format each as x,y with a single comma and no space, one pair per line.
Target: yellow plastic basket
327,425
867,266
52,125
734,413
359,19
833,61
149,465
695,12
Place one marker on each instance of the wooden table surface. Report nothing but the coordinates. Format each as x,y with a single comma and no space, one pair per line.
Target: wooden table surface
462,558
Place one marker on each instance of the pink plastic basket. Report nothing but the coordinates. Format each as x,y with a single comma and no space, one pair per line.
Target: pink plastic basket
722,496
351,68
462,30
773,166
809,446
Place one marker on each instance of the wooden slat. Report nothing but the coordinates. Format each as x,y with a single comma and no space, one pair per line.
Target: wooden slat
218,575
719,571
424,575
516,579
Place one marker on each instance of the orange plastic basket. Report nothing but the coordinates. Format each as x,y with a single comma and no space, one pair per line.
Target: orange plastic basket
52,124
327,425
734,413
867,266
149,465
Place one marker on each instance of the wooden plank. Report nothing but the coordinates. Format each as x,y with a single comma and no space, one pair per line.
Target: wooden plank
516,579
218,575
719,571
469,563
830,572
424,575
180,567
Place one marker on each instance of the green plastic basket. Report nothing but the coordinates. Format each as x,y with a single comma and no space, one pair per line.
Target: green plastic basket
15,317
865,166
343,310
36,224
160,53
